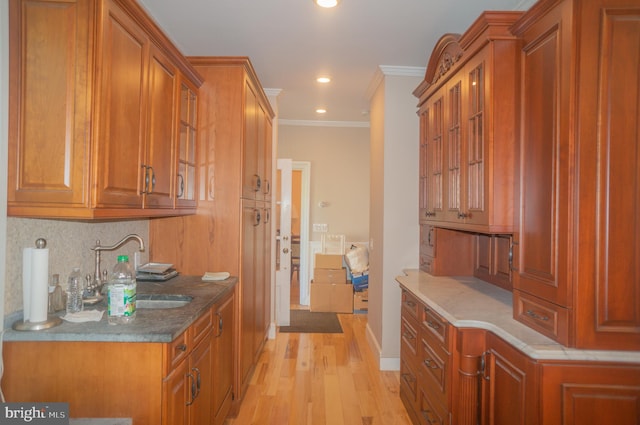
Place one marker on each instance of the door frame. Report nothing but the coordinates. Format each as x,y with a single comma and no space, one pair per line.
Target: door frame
305,200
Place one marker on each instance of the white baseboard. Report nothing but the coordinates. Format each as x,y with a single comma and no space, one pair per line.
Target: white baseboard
384,363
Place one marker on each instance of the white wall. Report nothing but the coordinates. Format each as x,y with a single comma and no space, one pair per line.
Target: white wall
394,242
339,158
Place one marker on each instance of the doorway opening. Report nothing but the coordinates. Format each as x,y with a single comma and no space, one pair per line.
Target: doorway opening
292,238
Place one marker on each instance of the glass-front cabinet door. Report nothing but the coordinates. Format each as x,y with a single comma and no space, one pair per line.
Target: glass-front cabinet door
186,176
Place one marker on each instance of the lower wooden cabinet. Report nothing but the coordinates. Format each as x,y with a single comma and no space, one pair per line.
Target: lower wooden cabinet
186,382
471,376
509,385
188,388
590,394
223,340
425,363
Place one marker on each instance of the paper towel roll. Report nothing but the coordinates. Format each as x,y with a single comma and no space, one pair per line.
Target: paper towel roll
39,285
26,282
35,281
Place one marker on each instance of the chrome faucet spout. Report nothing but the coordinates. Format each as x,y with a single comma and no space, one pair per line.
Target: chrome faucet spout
98,247
98,281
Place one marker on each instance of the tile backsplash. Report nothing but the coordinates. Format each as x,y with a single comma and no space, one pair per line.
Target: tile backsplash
69,244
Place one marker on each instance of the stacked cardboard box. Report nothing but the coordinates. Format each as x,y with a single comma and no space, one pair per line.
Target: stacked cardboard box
330,289
361,300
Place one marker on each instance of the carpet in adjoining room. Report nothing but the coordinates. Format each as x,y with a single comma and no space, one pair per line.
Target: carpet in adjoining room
305,321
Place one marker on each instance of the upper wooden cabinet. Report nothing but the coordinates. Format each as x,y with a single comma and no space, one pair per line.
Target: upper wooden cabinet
468,127
578,237
93,117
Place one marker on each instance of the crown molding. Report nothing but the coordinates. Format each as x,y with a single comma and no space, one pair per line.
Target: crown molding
392,71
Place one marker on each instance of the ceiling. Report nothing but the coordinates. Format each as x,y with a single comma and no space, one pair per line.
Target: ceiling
291,42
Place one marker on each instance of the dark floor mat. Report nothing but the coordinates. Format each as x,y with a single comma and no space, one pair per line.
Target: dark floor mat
305,321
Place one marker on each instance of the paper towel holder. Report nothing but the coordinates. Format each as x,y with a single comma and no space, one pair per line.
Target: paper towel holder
51,321
26,325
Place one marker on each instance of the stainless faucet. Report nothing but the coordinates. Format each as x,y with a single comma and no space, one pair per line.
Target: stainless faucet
99,281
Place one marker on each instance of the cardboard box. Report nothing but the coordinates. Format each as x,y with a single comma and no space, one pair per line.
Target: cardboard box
330,275
328,261
360,281
361,300
334,297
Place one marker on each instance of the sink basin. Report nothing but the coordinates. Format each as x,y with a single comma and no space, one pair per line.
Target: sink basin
162,300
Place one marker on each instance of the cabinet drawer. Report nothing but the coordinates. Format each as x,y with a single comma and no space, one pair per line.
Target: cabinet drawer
431,411
409,381
410,304
409,337
547,318
433,366
176,351
435,325
200,327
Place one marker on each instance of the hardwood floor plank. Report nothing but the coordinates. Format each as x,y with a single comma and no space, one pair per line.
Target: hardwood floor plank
322,379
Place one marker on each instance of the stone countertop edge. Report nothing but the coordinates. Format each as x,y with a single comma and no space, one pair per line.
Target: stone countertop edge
468,302
150,325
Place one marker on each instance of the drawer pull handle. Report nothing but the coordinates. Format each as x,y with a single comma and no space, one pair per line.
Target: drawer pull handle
432,324
182,347
427,417
411,304
408,377
536,316
408,335
431,364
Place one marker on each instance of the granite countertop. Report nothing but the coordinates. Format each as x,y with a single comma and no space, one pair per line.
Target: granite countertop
467,302
150,325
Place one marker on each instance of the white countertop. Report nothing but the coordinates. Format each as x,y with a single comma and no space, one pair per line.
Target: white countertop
467,302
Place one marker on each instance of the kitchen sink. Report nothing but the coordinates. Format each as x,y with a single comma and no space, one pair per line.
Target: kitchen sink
162,300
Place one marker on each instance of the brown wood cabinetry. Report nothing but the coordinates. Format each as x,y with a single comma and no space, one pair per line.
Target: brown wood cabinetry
185,382
493,259
425,362
588,394
231,228
93,134
445,252
223,360
470,376
468,128
509,385
578,229
188,386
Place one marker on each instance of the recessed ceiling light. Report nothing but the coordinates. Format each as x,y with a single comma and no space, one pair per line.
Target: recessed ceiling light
321,111
323,80
327,3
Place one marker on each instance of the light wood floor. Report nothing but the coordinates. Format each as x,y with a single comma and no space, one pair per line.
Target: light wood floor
322,379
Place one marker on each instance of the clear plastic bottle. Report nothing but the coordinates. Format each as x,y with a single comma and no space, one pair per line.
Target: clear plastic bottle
121,293
74,291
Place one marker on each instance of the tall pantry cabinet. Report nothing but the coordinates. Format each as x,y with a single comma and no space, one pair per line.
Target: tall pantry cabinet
231,228
576,276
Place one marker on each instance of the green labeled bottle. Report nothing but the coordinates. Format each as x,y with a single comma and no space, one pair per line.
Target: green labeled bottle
121,293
